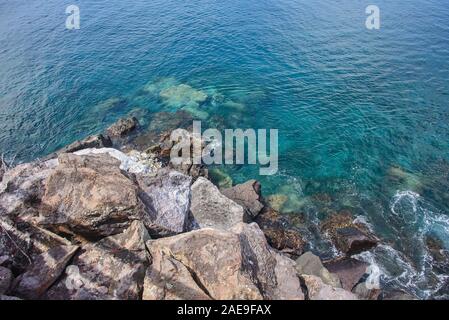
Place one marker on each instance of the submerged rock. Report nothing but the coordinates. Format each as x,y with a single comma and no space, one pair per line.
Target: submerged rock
112,268
232,264
212,209
46,269
6,278
248,195
279,233
122,127
318,290
310,264
182,95
220,178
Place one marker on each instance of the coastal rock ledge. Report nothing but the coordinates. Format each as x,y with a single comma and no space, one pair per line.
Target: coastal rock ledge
99,224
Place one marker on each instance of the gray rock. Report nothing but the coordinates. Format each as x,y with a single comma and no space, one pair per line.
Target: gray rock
364,293
349,270
168,195
212,209
310,264
7,298
317,290
248,195
46,269
233,264
6,278
96,141
112,268
122,127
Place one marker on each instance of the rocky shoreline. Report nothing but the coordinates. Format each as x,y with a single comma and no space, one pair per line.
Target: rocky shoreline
104,219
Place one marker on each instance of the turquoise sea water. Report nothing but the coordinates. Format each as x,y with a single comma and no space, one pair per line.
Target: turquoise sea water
363,116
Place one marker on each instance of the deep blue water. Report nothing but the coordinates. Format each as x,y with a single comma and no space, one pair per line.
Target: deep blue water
363,115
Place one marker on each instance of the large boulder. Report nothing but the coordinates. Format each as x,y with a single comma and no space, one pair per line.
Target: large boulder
248,195
6,278
211,263
45,270
122,127
279,232
348,270
90,195
168,194
310,264
112,268
349,237
211,209
318,290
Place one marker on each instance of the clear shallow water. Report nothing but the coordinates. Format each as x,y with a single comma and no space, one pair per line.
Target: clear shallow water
352,105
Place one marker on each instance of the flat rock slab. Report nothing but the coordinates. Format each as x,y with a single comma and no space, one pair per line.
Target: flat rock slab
317,290
248,195
349,270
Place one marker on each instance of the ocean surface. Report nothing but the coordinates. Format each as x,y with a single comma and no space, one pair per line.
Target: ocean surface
363,115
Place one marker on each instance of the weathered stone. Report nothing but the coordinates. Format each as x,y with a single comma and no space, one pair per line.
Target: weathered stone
168,194
212,209
348,270
96,141
46,269
310,264
122,127
233,264
317,290
6,278
90,196
6,298
279,233
348,237
112,268
248,195
364,293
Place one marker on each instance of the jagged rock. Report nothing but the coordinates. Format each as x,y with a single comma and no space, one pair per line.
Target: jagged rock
168,194
317,290
233,264
348,270
96,141
46,269
348,237
247,195
310,264
112,268
212,209
122,127
22,187
279,233
6,278
364,293
90,196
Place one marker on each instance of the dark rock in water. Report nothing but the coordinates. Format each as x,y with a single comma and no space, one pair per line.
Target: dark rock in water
247,195
168,194
6,278
122,127
112,268
96,141
397,295
223,264
439,254
46,269
348,270
279,233
90,196
310,264
348,237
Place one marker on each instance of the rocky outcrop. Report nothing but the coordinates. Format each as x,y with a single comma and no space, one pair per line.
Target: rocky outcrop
90,196
310,264
122,127
348,270
212,209
233,264
6,278
348,237
112,268
168,194
318,290
96,141
279,233
248,195
46,268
